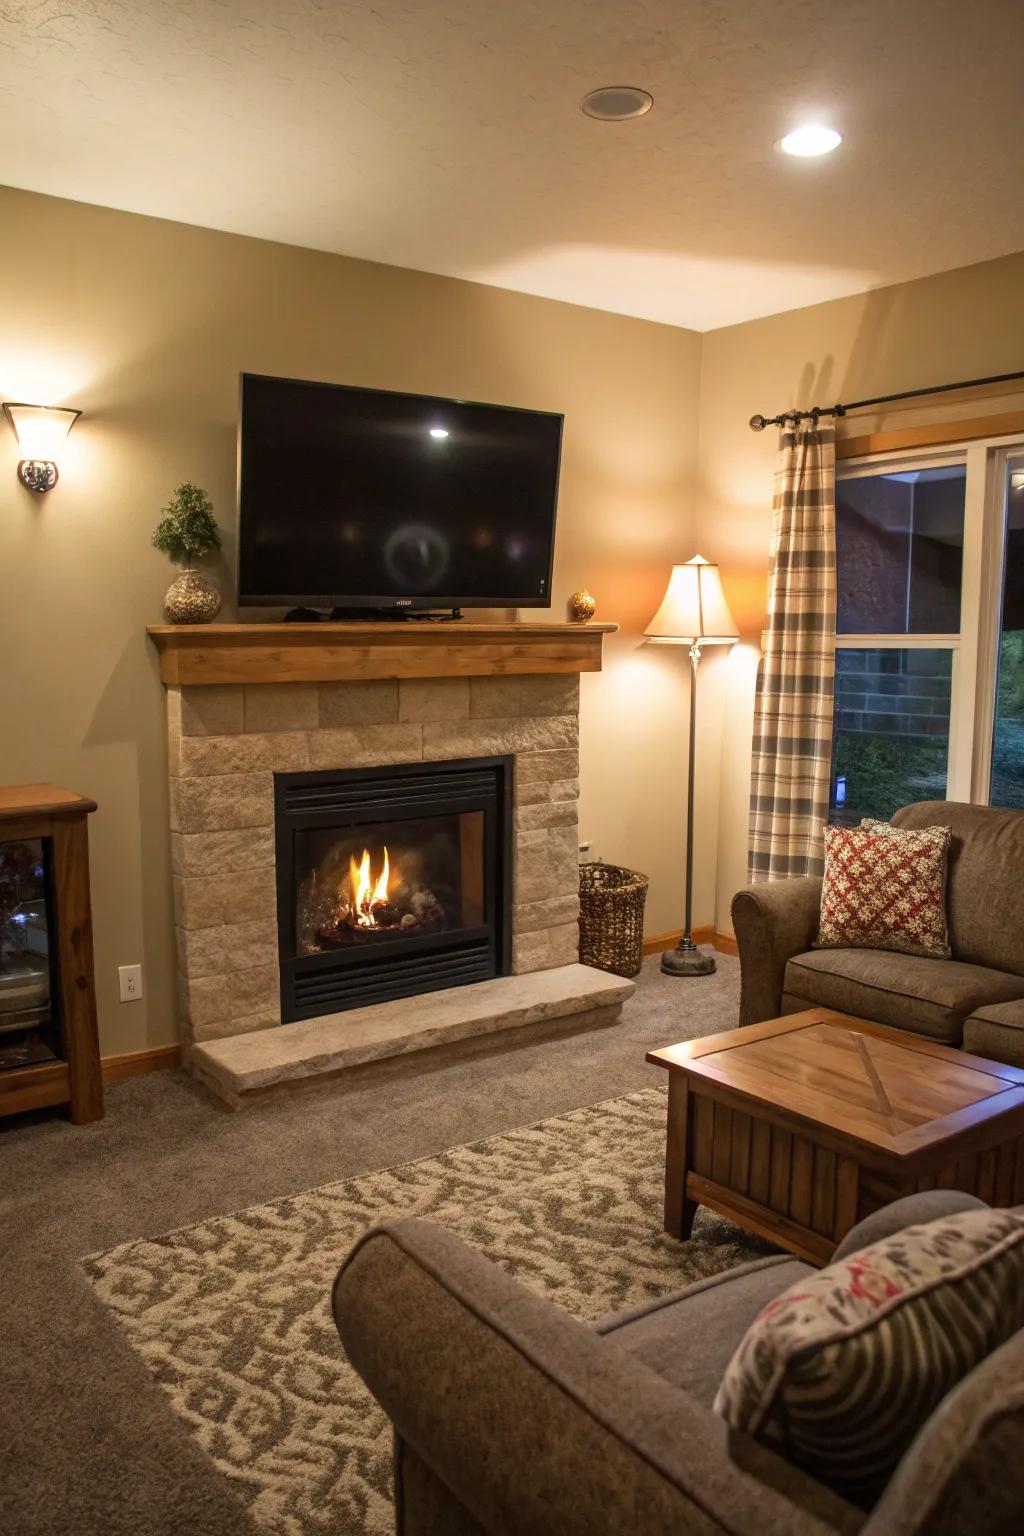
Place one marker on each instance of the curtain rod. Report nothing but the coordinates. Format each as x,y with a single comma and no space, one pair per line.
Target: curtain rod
758,423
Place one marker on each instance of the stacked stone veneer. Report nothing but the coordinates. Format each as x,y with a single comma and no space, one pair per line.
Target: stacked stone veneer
226,743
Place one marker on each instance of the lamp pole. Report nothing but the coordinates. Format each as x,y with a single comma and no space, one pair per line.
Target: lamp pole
693,612
686,959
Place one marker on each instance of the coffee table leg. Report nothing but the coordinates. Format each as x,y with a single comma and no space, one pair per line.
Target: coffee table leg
679,1211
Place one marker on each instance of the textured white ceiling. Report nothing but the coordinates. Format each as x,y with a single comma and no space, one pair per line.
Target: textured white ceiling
445,135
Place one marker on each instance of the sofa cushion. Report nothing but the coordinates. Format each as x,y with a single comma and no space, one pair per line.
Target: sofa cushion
840,1372
928,997
985,885
885,890
690,1337
997,1031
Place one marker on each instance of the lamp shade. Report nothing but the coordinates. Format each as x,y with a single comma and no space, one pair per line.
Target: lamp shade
693,608
41,430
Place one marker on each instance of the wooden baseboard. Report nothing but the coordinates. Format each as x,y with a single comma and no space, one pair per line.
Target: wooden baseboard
135,1063
725,943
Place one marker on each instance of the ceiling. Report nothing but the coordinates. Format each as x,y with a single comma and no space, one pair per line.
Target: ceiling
445,135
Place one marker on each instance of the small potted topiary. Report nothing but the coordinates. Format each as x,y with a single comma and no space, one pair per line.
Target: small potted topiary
187,531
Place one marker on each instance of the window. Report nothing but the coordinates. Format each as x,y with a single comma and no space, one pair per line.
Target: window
900,548
929,692
1006,770
891,740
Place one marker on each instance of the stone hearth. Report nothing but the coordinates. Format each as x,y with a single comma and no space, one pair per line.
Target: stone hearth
488,1013
226,741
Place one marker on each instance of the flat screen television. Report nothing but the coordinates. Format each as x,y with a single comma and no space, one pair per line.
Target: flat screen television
364,499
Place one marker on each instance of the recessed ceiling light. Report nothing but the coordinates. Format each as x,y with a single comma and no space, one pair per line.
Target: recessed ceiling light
616,103
809,141
439,431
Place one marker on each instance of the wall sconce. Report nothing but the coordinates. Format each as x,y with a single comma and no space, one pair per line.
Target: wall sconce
41,431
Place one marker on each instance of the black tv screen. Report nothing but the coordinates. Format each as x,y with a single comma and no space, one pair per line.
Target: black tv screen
366,499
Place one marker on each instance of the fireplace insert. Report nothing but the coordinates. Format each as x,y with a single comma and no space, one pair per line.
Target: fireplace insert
391,881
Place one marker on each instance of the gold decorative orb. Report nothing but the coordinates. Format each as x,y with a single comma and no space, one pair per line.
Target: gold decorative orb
581,606
191,599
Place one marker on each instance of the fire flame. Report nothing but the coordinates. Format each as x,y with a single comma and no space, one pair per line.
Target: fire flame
365,893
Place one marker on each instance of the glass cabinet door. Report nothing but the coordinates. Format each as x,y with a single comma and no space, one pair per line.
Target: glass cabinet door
29,1028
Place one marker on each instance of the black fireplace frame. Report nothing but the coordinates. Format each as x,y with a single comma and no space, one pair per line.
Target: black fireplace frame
313,985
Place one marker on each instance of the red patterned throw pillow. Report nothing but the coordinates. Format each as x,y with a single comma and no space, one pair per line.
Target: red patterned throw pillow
885,890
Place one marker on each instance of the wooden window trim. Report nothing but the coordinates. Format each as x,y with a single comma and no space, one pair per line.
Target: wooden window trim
934,435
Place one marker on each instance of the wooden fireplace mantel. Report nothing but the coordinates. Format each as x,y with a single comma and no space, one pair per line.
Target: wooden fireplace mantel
193,655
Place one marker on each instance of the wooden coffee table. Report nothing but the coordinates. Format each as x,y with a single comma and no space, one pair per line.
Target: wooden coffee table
798,1127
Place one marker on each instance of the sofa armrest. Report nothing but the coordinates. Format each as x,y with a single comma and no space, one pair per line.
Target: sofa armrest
911,1211
535,1423
772,923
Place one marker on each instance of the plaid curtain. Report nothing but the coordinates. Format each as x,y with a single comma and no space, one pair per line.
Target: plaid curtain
792,752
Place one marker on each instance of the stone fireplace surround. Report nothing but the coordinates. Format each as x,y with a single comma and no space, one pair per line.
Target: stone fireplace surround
226,741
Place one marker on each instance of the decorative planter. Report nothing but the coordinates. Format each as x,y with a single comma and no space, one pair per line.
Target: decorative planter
191,599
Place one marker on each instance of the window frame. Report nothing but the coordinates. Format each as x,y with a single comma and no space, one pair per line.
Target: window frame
1004,460
974,647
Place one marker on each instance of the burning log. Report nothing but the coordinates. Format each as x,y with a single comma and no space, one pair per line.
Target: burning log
365,908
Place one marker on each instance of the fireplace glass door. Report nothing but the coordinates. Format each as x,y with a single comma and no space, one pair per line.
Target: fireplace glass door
391,881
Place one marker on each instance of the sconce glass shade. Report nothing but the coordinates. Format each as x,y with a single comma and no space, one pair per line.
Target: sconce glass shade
41,431
693,608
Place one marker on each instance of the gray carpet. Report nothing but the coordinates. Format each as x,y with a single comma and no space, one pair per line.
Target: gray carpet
92,1442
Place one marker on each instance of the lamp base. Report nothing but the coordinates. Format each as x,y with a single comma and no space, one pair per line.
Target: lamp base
687,960
38,474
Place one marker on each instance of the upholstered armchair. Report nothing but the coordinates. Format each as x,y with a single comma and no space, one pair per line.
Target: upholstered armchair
511,1418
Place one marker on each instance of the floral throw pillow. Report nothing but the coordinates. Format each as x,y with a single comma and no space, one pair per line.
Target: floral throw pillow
885,889
840,1373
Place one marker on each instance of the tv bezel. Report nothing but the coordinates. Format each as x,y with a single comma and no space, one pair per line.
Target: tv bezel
400,603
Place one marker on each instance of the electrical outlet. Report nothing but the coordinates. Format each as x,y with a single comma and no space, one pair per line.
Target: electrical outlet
129,979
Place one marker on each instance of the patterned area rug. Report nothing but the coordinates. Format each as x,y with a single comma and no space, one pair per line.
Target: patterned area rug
233,1318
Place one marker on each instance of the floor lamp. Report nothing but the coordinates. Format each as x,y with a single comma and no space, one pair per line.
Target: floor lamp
693,612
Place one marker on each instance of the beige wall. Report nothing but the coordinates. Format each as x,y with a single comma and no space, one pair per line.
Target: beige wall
144,325
959,325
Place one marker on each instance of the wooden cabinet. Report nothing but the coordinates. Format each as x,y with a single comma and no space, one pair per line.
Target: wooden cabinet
45,848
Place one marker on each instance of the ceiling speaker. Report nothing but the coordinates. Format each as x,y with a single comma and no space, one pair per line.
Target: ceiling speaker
616,103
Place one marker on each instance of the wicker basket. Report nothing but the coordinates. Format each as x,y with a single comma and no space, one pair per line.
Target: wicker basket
612,918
